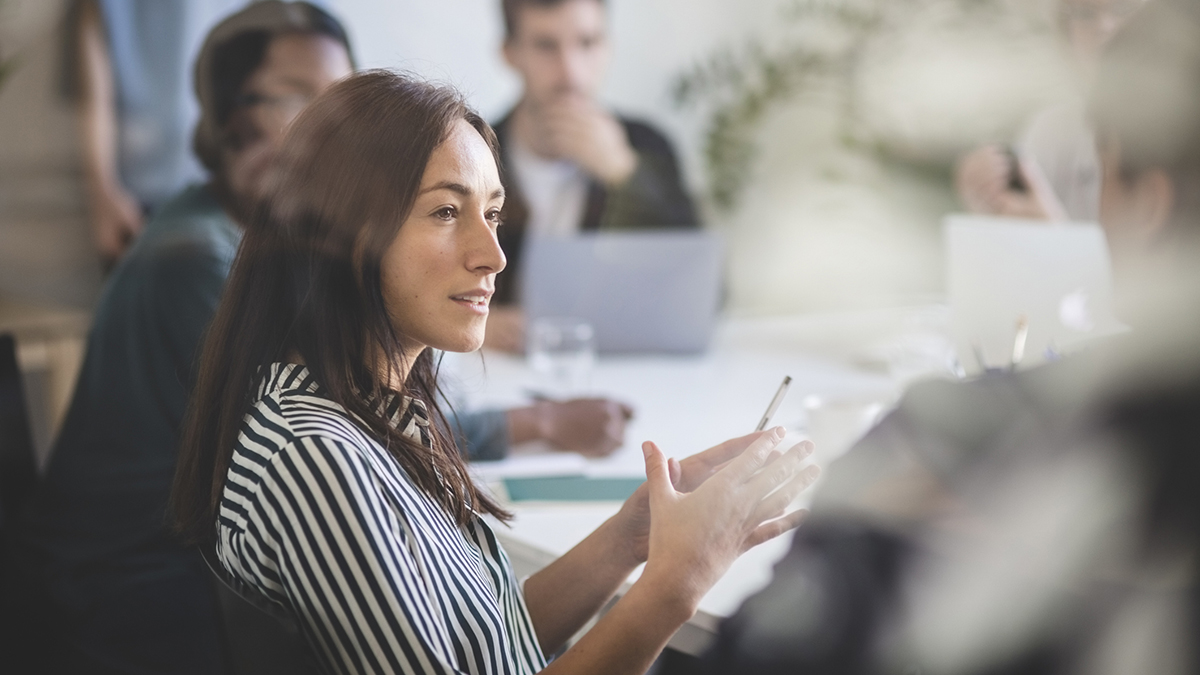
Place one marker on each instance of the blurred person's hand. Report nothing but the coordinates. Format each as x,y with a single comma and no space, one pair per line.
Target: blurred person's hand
982,180
116,220
593,427
578,129
505,330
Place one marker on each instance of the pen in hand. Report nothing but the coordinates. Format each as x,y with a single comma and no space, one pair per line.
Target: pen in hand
779,394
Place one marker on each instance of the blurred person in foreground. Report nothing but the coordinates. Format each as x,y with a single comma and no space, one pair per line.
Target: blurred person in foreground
1040,522
1053,171
571,165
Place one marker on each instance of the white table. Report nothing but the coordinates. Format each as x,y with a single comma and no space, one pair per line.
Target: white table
686,404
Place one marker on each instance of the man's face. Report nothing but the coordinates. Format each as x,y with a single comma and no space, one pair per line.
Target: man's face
1090,24
296,68
559,51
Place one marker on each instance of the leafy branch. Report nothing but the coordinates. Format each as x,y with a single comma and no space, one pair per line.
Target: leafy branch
739,86
7,64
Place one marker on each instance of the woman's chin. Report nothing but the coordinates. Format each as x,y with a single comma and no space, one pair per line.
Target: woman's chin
462,343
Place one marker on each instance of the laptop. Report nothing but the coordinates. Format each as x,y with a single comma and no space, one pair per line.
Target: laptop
1004,272
642,292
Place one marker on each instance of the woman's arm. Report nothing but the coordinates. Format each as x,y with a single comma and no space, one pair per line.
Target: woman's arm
692,540
564,595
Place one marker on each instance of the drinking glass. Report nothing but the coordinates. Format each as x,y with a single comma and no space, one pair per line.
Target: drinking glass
562,351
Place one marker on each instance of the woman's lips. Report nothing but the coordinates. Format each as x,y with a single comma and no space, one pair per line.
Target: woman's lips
477,302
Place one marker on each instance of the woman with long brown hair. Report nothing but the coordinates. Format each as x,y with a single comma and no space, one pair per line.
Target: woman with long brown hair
315,459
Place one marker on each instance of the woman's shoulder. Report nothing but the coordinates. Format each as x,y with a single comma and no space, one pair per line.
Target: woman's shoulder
292,416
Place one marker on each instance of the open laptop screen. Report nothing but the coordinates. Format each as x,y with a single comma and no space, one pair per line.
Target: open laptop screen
643,292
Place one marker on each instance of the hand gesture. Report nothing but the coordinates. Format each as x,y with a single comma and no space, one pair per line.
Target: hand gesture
581,131
695,536
693,472
982,179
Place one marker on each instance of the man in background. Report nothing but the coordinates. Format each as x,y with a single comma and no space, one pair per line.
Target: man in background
1052,172
570,164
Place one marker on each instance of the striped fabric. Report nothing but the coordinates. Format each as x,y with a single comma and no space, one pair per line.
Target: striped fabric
323,520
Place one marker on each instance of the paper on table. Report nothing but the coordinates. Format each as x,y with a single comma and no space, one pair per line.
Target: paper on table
547,464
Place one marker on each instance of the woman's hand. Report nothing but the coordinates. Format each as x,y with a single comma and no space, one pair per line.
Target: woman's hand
695,536
685,476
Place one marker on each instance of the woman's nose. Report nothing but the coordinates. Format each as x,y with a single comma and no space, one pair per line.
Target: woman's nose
484,252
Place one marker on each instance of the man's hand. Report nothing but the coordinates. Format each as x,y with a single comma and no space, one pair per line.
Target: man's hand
982,180
505,330
593,427
577,129
116,220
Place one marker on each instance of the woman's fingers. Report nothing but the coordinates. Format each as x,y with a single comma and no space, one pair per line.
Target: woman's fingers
675,471
703,465
742,468
658,474
722,453
773,528
774,504
774,474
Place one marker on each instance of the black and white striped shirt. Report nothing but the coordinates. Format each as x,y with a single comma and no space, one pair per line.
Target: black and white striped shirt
322,519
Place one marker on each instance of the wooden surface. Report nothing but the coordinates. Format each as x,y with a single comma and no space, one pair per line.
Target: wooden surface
50,347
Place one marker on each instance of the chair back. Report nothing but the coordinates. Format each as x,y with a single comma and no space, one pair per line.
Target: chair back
17,469
260,636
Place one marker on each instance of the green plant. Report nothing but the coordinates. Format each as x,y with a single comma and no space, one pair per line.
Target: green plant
824,43
7,64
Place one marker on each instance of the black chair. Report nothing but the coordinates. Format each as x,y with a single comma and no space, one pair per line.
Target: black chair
260,636
17,469
19,627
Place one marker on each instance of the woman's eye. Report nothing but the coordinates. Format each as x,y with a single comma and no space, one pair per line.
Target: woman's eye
445,213
493,217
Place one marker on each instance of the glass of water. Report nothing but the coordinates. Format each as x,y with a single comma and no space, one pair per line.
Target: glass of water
562,351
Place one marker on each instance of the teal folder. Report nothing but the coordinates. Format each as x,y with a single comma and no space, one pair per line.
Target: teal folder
571,488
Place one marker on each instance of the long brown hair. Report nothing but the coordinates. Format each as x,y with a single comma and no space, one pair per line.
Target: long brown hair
307,281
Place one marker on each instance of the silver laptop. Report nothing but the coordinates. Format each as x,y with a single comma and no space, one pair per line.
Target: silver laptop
1055,278
643,292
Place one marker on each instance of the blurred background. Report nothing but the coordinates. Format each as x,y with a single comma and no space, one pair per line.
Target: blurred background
819,136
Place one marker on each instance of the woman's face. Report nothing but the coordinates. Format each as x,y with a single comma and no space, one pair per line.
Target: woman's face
439,272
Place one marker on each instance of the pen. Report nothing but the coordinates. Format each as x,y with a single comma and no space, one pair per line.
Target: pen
775,403
1018,352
